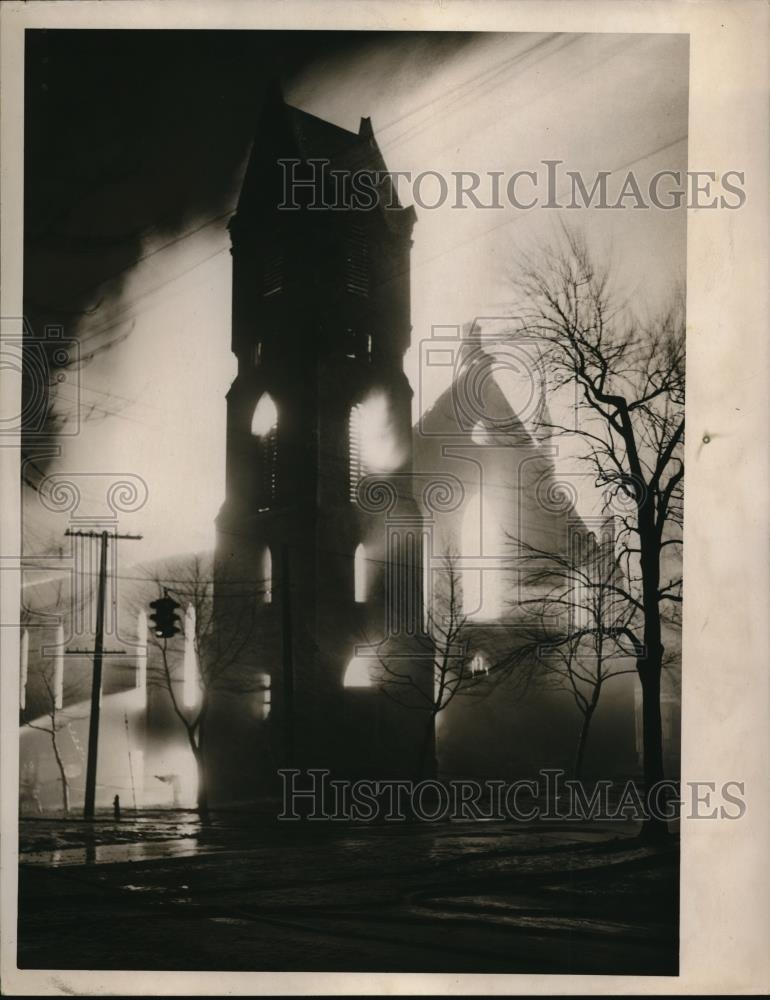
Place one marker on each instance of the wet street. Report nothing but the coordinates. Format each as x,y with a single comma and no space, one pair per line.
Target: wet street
164,892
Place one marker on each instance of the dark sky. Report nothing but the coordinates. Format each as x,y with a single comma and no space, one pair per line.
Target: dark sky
135,139
128,131
130,134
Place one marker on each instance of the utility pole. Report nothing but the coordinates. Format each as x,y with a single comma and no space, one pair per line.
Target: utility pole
288,664
96,680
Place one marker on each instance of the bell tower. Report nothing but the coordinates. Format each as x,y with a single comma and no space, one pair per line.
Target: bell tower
316,588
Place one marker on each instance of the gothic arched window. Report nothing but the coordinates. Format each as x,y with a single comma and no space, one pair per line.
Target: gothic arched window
427,581
25,668
264,427
190,668
373,440
481,537
479,663
480,434
357,674
359,575
263,696
267,575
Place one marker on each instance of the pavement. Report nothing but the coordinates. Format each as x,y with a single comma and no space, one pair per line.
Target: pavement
162,891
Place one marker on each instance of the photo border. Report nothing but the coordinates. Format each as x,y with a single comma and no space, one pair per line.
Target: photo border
725,866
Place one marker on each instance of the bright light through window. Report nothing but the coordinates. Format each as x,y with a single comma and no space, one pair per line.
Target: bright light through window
265,417
263,696
190,689
359,574
479,664
481,537
358,674
379,449
479,435
267,576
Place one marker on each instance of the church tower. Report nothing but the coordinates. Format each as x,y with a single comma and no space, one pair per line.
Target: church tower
317,577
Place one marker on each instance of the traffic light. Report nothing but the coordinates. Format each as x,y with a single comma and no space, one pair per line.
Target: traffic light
165,621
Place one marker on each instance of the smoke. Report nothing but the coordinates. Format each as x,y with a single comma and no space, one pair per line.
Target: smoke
136,144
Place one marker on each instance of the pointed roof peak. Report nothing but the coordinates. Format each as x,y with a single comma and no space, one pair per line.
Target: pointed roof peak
288,133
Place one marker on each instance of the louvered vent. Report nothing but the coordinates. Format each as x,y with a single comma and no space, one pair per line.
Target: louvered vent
356,458
268,470
357,261
272,276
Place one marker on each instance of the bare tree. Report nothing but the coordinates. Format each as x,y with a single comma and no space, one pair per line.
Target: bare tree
457,668
628,376
52,722
53,718
579,637
219,639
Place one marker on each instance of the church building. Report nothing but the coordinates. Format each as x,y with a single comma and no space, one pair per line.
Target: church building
319,537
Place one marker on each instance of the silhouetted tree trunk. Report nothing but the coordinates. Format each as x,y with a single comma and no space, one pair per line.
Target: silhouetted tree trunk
426,761
652,738
65,787
203,792
445,640
649,664
52,730
629,380
200,760
584,730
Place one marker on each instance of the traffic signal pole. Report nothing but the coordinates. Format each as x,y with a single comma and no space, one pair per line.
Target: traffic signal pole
96,680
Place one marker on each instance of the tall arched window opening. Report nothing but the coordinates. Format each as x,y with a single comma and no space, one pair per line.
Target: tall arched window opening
374,444
263,696
480,434
24,669
357,673
264,427
266,581
359,575
479,664
481,574
427,581
190,669
470,549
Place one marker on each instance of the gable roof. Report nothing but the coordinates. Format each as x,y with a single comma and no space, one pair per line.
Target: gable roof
285,132
475,397
317,138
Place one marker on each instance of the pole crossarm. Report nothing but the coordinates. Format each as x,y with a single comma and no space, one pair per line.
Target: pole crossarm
98,534
90,652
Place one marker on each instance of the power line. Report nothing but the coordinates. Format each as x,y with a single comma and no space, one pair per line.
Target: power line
462,99
494,118
476,80
490,71
459,93
130,313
